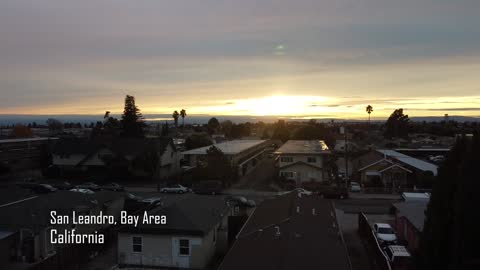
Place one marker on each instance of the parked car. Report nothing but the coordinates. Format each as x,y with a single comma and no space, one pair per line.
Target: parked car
241,201
153,200
355,187
176,188
43,188
385,233
82,190
113,187
89,185
208,187
63,185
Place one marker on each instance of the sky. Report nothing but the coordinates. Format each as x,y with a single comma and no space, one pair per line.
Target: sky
302,58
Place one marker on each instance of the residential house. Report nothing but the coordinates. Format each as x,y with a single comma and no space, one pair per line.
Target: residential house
291,231
390,169
30,217
409,221
242,154
303,161
196,230
155,157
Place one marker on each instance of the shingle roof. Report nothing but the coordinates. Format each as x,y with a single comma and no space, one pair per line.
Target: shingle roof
276,236
191,214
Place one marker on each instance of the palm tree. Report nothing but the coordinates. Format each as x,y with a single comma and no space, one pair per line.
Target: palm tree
183,113
369,110
175,116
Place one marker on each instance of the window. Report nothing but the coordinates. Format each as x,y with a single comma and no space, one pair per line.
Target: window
287,174
311,159
286,159
184,247
137,243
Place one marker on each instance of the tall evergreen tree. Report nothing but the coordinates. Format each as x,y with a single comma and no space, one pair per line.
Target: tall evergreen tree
397,124
450,236
132,122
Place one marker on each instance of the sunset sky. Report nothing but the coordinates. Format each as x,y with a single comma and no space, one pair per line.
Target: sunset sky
306,58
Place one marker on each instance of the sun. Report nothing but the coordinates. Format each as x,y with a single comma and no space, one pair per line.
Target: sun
278,105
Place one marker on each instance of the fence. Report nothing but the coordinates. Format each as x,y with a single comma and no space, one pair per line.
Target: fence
373,248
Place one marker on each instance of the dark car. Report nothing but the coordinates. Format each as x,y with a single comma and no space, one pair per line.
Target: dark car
113,187
43,188
208,187
89,185
63,185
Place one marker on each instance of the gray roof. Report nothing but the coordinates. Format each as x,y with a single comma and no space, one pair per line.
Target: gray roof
190,214
411,161
302,241
413,211
228,147
27,140
303,147
34,213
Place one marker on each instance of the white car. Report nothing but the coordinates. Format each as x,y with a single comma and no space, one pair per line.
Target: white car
385,233
355,187
175,189
82,190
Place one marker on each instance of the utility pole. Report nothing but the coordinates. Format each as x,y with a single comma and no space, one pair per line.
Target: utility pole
344,131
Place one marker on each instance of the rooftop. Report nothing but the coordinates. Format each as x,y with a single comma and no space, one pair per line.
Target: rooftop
228,147
411,161
303,147
189,214
289,232
27,140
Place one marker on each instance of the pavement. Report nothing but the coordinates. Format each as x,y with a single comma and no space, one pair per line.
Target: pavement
377,210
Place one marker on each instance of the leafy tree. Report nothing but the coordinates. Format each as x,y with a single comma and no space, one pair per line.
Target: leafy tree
213,125
240,130
183,113
197,141
315,132
132,122
175,116
54,125
218,167
226,127
265,135
450,235
397,125
281,131
21,131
